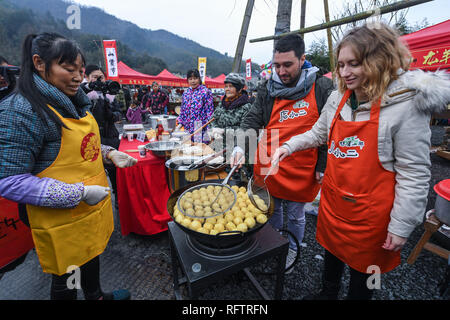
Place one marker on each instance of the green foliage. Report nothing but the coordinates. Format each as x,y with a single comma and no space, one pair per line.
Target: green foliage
404,27
318,55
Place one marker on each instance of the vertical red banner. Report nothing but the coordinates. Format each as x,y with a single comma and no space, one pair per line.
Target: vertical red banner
111,60
15,237
248,69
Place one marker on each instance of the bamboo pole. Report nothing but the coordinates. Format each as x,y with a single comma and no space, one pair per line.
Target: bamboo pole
303,16
360,16
330,40
243,35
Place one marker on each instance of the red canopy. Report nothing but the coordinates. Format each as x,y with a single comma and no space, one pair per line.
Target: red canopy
166,78
220,78
129,76
212,83
430,47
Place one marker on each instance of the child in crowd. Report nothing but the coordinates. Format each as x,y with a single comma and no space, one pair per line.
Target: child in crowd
134,114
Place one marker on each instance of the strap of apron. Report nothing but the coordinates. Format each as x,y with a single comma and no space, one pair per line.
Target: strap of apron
374,110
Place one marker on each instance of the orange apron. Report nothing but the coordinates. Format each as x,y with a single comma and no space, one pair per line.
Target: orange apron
357,195
295,179
72,237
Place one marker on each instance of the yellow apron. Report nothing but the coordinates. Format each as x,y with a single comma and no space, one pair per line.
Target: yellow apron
72,237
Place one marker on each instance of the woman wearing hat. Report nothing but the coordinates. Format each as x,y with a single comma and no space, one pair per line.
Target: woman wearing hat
231,111
233,108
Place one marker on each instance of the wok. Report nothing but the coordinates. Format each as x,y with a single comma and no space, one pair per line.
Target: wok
225,239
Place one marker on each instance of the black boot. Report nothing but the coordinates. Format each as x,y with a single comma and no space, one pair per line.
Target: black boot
330,291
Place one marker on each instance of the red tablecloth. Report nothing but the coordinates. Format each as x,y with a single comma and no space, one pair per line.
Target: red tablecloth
142,193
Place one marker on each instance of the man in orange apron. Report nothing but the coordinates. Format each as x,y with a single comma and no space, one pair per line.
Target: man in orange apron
288,104
377,177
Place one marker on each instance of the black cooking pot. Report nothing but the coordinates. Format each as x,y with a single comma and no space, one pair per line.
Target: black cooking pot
225,239
178,170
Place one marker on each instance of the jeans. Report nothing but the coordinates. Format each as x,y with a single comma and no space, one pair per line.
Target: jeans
296,219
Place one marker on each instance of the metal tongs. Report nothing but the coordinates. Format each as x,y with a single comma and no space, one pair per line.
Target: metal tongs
205,159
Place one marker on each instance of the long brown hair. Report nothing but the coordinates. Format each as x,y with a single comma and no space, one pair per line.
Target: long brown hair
381,53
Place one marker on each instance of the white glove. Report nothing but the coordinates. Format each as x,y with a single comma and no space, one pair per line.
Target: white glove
217,133
237,155
94,194
121,159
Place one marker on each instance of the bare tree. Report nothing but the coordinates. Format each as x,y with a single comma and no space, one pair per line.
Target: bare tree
352,7
283,23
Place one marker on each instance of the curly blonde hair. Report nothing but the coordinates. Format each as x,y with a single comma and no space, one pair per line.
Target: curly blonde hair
381,53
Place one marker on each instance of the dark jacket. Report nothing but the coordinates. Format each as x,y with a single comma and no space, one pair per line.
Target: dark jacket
107,114
260,112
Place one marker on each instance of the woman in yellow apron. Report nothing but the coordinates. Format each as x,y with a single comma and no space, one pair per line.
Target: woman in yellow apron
375,188
52,162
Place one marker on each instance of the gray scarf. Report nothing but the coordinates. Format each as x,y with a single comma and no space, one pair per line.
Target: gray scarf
277,89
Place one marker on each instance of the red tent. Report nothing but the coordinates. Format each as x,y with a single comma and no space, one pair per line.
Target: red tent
166,78
430,47
220,78
129,76
212,83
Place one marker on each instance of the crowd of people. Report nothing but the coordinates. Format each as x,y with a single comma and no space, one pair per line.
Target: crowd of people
364,144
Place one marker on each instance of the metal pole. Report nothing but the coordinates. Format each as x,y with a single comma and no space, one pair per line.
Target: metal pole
360,16
303,16
243,36
330,40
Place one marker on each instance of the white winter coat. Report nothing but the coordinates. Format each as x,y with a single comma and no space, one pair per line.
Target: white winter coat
403,138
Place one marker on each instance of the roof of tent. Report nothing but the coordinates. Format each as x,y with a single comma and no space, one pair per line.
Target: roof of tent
434,36
220,78
167,75
166,78
212,83
128,75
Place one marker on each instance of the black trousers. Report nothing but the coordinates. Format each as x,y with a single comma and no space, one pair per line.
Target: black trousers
333,271
89,282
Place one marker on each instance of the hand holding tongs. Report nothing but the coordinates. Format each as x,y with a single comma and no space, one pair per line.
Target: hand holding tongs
205,159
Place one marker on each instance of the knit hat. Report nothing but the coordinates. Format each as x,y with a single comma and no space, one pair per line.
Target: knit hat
236,80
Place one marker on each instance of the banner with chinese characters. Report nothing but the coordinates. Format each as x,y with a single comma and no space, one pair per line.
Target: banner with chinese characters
248,69
112,70
15,236
431,59
202,68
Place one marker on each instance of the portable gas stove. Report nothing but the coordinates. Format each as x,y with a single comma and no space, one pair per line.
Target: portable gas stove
202,265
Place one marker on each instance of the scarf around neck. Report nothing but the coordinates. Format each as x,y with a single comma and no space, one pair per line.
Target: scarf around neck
236,103
304,84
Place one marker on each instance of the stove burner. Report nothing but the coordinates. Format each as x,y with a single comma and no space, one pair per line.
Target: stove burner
235,252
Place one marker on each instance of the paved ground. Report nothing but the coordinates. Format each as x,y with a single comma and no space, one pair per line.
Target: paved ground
142,265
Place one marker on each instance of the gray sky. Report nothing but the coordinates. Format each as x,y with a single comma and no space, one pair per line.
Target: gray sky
217,23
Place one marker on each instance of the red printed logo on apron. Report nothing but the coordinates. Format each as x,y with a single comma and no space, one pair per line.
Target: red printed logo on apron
89,147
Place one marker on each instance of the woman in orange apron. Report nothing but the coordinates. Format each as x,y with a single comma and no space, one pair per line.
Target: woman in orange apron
376,182
52,162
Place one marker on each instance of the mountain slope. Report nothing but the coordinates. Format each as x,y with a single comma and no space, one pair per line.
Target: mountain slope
180,54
